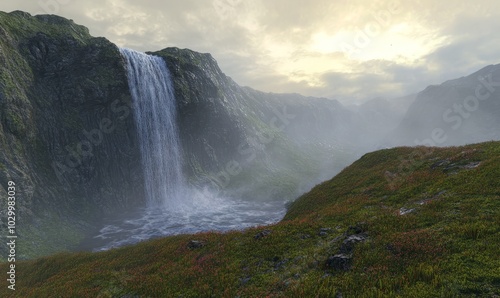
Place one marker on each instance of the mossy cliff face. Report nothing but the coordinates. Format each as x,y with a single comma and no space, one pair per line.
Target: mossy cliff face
68,136
66,128
248,143
209,127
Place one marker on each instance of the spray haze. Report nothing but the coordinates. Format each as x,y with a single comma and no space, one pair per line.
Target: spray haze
279,162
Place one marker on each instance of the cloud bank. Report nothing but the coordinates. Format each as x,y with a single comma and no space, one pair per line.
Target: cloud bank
348,50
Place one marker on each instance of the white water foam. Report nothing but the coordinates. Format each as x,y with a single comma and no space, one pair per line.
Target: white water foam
172,207
212,214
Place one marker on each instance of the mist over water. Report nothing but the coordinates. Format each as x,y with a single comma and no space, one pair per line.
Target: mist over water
173,207
210,214
331,136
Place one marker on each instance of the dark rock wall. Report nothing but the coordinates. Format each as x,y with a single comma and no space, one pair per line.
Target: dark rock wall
250,143
68,136
66,127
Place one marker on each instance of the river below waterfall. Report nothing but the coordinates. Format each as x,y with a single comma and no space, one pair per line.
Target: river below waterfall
148,223
172,207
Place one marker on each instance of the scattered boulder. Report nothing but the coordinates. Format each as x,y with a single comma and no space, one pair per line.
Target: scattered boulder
348,245
313,264
440,193
453,168
359,228
335,240
245,280
305,236
262,234
404,211
472,165
326,275
435,197
390,247
440,163
339,262
343,260
194,244
324,231
280,264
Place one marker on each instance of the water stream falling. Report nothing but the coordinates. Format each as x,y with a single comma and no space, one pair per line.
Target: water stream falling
172,206
155,116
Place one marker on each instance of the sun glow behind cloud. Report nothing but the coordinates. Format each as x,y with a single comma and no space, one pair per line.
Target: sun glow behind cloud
344,46
349,50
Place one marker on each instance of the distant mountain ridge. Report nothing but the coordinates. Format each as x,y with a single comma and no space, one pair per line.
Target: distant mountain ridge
68,137
457,112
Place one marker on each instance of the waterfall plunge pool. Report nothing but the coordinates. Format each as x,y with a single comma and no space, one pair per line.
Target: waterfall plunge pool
174,208
220,215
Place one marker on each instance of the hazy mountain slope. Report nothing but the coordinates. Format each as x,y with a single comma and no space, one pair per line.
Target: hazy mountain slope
380,117
460,111
68,137
274,138
433,232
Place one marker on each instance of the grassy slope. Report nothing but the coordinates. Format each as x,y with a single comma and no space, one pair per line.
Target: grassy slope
447,247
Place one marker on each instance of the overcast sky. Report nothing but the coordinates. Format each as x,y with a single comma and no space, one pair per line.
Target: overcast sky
351,50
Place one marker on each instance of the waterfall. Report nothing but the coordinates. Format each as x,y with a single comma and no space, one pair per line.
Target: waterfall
155,116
